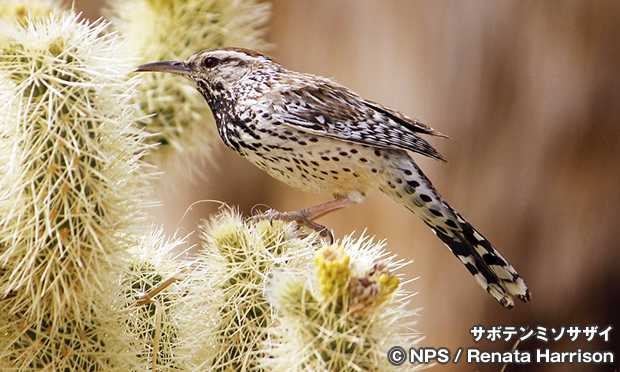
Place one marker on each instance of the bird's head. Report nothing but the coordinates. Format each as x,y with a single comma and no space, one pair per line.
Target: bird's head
215,69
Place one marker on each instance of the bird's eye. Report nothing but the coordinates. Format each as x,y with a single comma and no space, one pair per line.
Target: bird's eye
211,62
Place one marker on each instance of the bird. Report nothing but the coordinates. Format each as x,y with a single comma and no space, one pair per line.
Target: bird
319,136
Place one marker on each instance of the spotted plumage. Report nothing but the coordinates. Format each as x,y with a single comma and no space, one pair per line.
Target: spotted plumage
319,136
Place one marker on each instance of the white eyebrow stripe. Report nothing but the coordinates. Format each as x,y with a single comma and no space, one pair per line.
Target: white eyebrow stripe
231,54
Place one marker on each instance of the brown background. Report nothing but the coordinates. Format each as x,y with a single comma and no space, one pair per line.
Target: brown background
529,93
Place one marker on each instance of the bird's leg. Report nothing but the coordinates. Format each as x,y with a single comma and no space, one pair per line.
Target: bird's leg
307,216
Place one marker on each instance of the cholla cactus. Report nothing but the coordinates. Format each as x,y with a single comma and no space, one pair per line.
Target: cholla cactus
70,191
346,319
154,285
173,30
227,332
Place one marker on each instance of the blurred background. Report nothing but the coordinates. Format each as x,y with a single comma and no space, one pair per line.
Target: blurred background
529,91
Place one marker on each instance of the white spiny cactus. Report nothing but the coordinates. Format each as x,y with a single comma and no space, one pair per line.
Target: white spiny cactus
227,315
71,182
154,284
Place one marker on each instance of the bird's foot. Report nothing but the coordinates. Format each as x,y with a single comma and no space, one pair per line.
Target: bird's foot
299,216
306,217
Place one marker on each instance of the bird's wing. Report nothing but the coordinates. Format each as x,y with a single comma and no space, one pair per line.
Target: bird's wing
333,111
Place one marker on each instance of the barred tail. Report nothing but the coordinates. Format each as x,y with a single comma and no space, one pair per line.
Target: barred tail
406,184
484,262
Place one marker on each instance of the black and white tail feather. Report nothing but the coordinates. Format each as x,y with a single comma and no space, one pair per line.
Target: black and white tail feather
484,262
406,184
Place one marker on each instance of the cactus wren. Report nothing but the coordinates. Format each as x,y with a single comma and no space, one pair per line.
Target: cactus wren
319,136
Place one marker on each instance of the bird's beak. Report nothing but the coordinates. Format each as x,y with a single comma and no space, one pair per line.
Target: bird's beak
166,66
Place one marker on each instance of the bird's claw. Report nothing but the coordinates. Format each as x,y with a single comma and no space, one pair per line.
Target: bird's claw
270,214
297,216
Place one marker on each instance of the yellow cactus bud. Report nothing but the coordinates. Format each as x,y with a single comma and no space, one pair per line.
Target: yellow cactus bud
333,270
350,323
